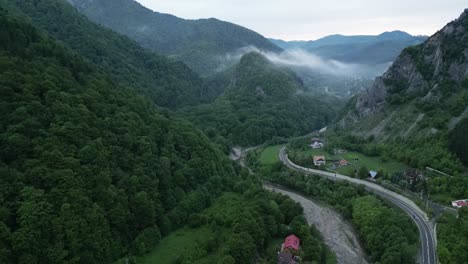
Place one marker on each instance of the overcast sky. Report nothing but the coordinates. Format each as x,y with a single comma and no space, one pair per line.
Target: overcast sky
312,19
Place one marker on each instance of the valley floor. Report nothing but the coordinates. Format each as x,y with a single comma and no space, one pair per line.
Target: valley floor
338,234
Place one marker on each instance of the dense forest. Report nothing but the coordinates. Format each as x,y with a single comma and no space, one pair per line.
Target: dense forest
202,44
452,238
388,235
240,226
262,101
90,171
166,82
458,141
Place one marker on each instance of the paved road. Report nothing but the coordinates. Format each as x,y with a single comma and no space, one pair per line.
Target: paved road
428,248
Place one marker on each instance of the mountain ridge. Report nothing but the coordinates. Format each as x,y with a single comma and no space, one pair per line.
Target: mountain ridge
199,43
361,49
422,97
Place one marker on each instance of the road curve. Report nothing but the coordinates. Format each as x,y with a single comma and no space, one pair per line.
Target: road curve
428,248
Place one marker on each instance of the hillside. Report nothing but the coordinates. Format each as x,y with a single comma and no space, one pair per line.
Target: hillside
167,82
261,101
423,91
90,171
417,110
201,44
365,49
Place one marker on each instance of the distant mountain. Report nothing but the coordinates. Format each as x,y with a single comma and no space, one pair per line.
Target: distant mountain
201,44
169,83
261,101
363,49
424,95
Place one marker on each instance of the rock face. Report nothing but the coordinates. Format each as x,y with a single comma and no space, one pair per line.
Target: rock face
428,73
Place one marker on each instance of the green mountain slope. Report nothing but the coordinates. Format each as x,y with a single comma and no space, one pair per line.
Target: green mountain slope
167,82
201,44
422,93
261,101
416,112
89,171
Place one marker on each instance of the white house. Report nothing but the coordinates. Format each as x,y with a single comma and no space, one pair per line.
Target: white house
372,174
316,145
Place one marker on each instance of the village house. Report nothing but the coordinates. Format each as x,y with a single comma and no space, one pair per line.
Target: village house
344,163
460,203
372,175
316,145
289,248
319,160
291,242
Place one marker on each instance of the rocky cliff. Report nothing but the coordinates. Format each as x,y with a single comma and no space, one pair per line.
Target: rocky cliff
424,79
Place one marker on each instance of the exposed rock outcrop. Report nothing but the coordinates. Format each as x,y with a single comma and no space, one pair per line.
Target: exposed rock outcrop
428,73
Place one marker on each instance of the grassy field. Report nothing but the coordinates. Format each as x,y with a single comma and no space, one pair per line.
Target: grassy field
270,155
371,163
180,243
374,163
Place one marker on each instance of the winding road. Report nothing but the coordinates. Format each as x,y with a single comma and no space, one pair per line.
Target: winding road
428,247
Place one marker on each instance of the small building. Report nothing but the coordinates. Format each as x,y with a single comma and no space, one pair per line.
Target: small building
372,174
291,242
344,163
316,145
460,203
319,160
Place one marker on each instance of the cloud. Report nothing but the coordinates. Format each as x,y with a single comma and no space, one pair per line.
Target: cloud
302,59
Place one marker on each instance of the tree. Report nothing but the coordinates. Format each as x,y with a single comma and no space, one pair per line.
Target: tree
241,247
363,172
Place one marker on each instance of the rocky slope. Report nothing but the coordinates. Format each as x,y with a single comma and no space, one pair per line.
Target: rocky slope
424,92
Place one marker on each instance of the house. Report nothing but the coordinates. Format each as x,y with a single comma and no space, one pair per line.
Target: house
319,160
286,258
372,174
344,163
460,203
316,145
291,242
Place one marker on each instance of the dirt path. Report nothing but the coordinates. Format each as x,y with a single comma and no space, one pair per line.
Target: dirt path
338,234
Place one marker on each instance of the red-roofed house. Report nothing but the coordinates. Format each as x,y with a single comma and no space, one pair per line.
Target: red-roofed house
319,160
291,242
460,203
344,163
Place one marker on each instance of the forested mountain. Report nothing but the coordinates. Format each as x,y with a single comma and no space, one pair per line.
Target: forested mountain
423,94
89,171
167,82
416,112
202,44
261,101
363,49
